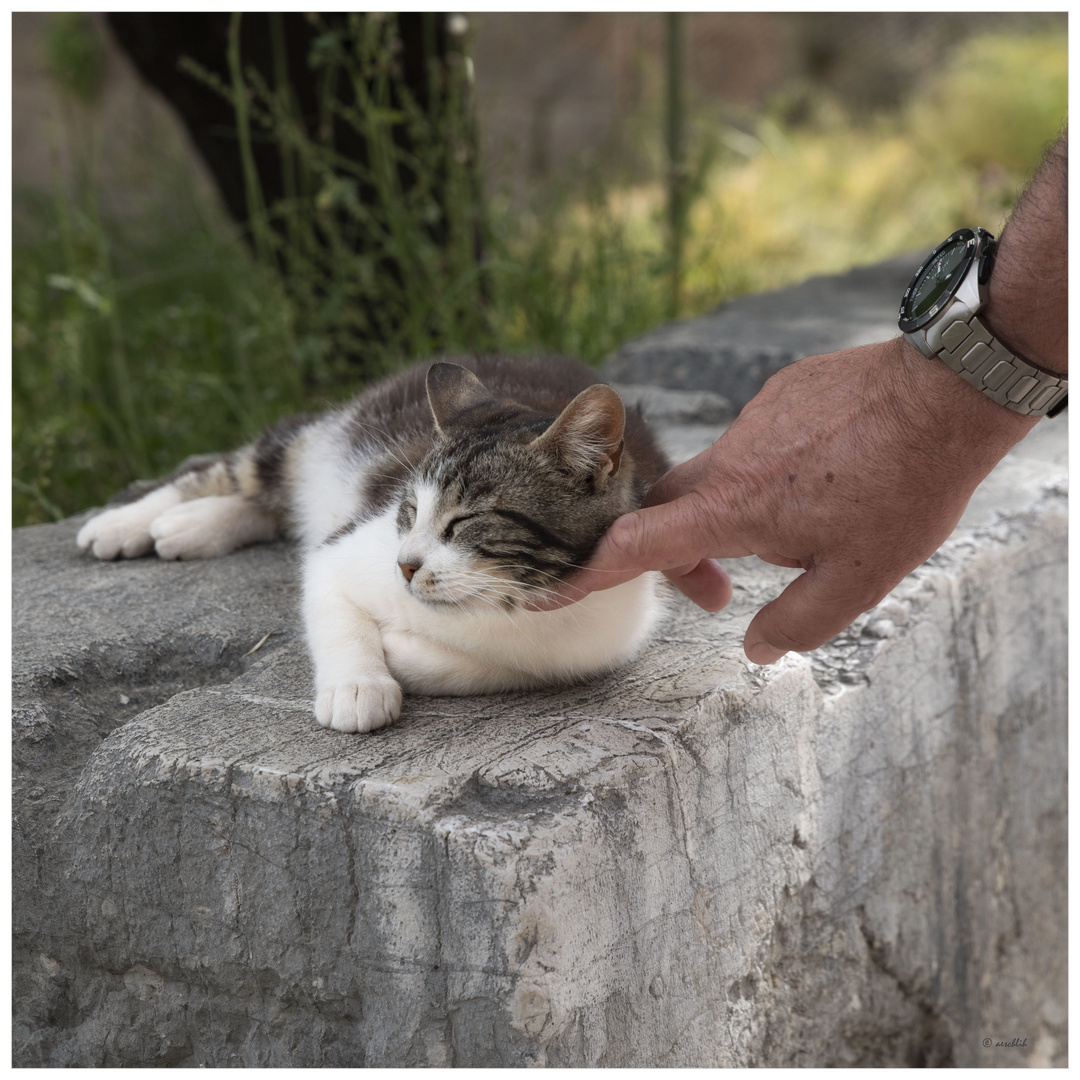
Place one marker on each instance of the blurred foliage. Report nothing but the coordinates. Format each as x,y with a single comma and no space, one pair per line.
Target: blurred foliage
73,53
138,340
573,275
996,104
789,200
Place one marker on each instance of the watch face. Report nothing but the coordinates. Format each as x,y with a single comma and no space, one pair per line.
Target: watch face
936,280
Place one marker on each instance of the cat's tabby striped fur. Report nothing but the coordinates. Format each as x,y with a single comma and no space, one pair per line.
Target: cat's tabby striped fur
429,510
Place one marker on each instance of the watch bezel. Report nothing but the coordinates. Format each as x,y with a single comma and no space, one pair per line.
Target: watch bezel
908,323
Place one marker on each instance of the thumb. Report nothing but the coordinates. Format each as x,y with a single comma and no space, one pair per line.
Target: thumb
809,612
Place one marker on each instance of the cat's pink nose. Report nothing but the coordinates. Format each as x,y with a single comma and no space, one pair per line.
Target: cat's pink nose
408,569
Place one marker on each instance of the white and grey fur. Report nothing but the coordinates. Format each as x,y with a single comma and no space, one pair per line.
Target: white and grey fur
429,510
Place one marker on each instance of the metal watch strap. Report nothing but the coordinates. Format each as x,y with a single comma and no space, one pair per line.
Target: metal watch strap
981,360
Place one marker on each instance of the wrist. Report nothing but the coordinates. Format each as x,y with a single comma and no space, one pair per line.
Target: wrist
1026,317
1027,295
944,410
943,314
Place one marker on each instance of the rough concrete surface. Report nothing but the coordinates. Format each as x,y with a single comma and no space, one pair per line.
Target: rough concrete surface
855,857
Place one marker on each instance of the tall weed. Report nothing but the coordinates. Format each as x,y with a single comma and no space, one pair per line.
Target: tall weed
380,252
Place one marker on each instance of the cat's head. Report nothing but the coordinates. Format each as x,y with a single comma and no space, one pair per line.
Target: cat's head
507,502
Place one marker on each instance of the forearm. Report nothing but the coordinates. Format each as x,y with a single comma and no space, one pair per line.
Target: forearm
1028,290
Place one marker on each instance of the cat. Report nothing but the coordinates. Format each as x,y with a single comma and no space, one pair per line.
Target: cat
429,510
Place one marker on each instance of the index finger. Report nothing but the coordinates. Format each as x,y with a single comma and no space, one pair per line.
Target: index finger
674,537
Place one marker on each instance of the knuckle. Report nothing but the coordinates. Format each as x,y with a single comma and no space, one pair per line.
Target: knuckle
626,536
798,639
667,535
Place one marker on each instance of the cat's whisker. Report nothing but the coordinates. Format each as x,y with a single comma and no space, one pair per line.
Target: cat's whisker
394,477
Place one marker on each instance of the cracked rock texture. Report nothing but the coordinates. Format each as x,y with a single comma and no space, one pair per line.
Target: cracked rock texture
855,857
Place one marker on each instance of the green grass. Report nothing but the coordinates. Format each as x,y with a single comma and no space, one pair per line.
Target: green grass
133,346
140,339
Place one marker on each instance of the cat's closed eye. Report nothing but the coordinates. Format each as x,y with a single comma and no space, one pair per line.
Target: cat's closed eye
448,532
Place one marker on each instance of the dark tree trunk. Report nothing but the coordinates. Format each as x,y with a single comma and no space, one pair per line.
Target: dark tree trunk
157,42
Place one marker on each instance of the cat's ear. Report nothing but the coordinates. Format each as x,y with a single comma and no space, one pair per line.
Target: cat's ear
453,390
587,436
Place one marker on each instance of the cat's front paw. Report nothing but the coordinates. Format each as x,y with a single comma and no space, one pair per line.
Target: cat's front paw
360,704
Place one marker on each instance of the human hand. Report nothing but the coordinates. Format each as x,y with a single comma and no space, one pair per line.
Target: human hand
854,467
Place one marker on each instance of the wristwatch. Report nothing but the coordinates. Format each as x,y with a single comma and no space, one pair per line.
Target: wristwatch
939,316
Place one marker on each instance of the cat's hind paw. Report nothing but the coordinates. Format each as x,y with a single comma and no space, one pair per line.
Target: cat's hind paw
209,527
360,704
125,530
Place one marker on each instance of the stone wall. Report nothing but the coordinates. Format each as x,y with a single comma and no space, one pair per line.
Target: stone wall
855,857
